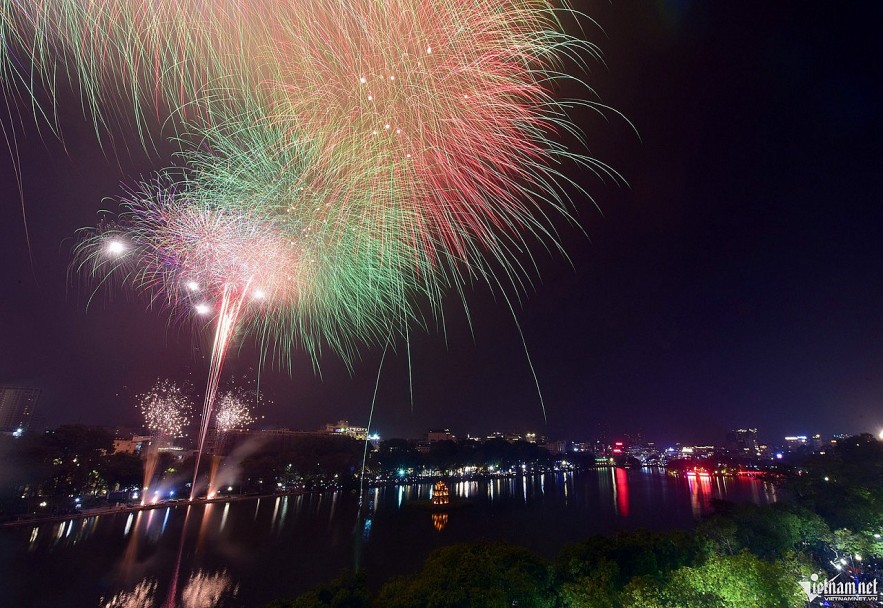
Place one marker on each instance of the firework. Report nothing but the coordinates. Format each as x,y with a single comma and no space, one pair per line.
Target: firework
276,267
410,146
244,240
345,164
233,411
441,114
165,409
423,136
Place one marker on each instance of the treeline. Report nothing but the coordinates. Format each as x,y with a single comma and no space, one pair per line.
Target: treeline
317,459
448,456
61,470
74,467
742,555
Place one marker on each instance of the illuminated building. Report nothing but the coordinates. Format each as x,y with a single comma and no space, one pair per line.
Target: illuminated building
440,494
343,427
795,442
130,445
17,405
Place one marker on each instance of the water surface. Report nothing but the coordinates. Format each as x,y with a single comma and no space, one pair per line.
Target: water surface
246,553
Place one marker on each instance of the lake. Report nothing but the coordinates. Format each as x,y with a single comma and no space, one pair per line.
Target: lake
248,552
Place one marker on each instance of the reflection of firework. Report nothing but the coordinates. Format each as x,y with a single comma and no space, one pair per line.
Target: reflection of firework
165,408
143,595
233,411
205,590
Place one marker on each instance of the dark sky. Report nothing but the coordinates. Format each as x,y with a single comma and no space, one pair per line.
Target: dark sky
736,280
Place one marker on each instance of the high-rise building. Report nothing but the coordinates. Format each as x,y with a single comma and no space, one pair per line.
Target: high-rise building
795,442
17,405
742,441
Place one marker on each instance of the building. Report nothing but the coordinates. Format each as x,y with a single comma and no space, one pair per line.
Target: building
795,442
130,445
433,436
440,494
556,447
343,427
742,441
17,405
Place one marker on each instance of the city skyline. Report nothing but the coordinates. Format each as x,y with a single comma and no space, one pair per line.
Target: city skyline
733,282
756,437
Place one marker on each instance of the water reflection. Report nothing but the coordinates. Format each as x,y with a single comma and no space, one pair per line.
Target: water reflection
203,590
439,521
142,596
700,492
621,491
215,555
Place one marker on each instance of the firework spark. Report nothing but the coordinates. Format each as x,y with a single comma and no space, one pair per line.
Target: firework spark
233,411
165,408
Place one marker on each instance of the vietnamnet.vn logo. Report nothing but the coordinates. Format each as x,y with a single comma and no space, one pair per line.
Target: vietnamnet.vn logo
840,590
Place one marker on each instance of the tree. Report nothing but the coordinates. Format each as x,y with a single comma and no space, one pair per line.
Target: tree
767,531
123,470
479,576
347,591
638,553
600,590
723,581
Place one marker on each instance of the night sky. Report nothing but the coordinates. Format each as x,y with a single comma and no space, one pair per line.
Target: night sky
735,280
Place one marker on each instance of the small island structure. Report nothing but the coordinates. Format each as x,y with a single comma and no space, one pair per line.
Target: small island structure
442,500
440,495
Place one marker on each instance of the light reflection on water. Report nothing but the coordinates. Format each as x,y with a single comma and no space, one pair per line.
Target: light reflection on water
203,590
223,554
